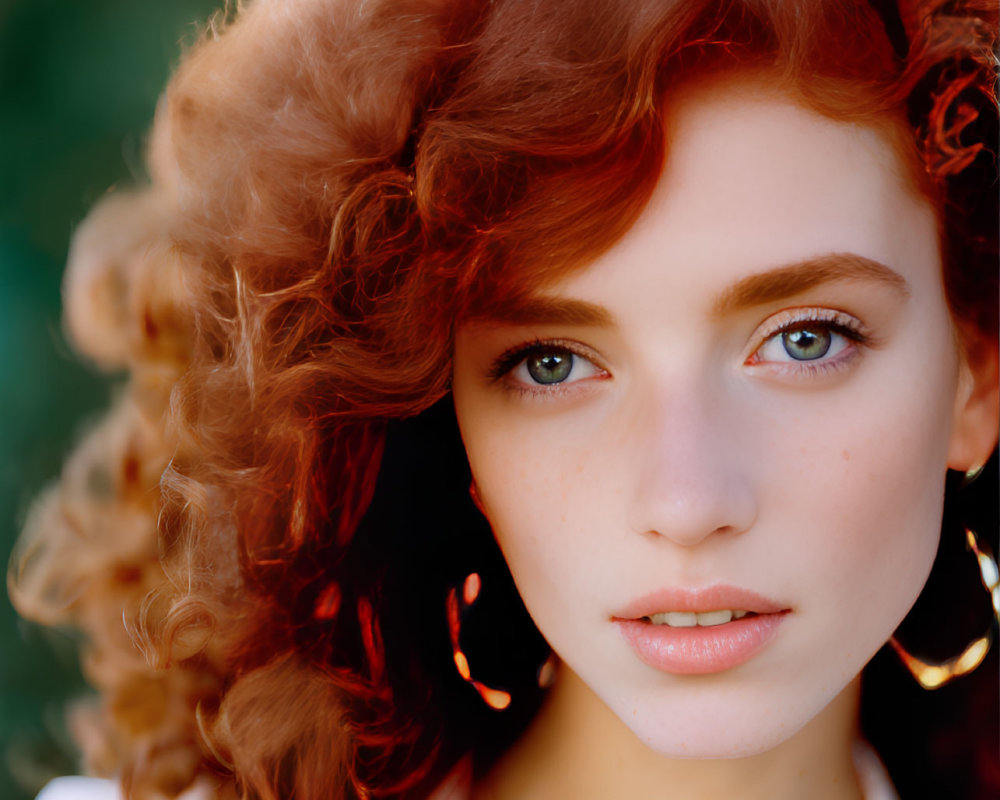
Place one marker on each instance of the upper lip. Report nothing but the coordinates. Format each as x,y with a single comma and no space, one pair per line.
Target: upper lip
709,598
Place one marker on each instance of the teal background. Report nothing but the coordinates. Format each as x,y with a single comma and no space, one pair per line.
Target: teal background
78,85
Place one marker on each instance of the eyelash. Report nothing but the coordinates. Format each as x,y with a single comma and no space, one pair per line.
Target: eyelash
788,321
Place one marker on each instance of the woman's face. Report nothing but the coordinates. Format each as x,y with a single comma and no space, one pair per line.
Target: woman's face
746,405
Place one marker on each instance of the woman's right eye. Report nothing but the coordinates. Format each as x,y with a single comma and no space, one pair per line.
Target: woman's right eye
544,365
549,368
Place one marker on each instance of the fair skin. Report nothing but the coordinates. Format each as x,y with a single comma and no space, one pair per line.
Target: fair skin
764,396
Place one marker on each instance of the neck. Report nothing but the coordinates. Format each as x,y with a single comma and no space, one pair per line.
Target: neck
576,747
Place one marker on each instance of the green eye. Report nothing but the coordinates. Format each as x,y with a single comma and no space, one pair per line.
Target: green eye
544,368
807,344
547,368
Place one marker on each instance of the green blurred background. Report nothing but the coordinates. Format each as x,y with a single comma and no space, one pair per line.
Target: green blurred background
78,85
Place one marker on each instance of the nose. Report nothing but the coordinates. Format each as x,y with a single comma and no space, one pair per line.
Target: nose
692,469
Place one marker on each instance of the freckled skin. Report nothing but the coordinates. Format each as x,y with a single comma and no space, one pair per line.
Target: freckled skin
682,466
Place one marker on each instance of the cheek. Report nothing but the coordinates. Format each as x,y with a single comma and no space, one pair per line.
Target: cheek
531,489
861,522
540,485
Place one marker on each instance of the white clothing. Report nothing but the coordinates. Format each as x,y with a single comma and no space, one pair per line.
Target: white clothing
74,787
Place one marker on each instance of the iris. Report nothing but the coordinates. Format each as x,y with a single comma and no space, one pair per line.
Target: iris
548,368
806,344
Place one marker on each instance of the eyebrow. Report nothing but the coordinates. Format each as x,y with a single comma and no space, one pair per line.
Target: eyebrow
758,289
540,310
792,279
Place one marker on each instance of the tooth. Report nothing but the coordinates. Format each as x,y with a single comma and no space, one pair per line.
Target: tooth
689,619
709,618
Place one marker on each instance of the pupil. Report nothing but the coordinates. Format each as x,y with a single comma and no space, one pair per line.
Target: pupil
806,345
550,368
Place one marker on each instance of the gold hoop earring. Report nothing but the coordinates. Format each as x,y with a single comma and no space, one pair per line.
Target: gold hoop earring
457,604
494,698
972,474
934,675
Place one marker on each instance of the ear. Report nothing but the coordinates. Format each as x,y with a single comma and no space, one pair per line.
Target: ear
977,409
474,494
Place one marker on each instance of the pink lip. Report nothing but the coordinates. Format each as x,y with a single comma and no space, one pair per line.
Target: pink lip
700,650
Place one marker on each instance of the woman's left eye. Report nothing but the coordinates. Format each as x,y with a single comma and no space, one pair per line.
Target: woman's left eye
821,338
803,344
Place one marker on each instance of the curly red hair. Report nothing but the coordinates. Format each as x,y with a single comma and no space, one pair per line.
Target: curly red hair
335,185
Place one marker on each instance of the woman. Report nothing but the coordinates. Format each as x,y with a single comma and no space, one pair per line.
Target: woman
711,289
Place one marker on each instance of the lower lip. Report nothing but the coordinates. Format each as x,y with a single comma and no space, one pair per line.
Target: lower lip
700,650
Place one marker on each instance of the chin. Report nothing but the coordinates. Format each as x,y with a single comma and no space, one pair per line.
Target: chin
706,739
711,743
706,724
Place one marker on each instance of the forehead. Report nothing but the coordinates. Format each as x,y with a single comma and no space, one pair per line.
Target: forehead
731,140
754,180
735,131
